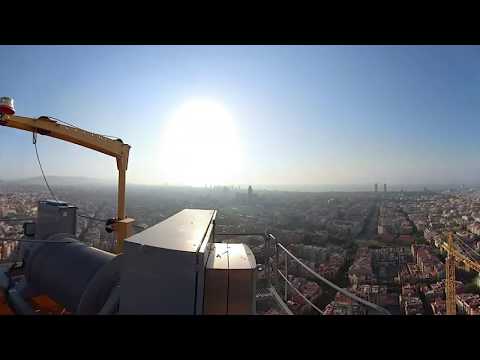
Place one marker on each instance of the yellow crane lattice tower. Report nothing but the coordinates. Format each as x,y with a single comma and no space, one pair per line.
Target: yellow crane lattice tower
454,256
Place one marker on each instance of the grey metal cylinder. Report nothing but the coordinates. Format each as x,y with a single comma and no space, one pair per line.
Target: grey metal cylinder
75,275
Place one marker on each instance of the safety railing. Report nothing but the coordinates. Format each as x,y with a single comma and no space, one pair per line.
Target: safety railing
267,247
280,248
272,269
265,291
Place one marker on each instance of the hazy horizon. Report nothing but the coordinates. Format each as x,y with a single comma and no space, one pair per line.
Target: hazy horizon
88,181
295,116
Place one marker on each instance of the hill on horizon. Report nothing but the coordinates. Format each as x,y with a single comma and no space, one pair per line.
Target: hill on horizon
60,181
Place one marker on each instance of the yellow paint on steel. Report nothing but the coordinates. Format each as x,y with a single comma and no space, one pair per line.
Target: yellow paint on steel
454,256
115,148
450,278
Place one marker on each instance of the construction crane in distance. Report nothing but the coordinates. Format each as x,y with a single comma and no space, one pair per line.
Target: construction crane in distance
47,126
454,256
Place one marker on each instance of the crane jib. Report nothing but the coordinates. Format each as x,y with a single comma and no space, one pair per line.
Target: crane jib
45,125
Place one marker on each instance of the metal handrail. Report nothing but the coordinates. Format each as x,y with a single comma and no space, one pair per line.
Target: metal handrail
268,238
299,292
332,285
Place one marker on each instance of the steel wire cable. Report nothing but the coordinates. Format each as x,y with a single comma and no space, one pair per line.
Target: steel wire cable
41,167
336,287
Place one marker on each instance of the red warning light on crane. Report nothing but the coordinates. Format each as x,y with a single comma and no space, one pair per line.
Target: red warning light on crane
6,106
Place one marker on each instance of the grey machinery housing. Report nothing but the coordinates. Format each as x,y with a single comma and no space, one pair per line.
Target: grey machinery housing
73,274
164,269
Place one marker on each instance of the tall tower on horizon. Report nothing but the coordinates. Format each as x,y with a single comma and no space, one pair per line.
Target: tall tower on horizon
376,187
384,187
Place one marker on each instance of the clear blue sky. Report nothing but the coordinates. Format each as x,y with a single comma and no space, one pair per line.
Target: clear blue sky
304,114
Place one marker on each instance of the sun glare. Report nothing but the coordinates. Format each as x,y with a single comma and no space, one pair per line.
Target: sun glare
200,145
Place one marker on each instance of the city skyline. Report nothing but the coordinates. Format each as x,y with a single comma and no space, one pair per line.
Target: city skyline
82,181
297,115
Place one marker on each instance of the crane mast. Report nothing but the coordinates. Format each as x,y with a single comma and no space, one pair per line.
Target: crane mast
454,256
115,148
450,278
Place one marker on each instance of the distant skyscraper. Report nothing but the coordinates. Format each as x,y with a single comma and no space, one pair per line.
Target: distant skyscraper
376,187
384,187
250,192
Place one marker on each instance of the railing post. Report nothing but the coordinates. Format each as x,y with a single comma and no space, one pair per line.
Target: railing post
354,297
276,266
269,262
286,277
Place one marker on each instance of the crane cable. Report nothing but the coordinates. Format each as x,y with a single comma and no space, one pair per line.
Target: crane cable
472,251
465,246
92,218
76,127
34,140
139,227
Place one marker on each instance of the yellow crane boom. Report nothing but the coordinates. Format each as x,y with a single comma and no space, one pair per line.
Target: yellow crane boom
115,148
453,256
462,258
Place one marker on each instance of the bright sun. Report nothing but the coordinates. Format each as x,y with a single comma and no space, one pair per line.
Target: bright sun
200,145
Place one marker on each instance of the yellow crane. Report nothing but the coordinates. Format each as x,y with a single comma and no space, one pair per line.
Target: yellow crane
454,256
113,147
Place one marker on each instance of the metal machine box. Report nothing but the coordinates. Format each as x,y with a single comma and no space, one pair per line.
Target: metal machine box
55,217
163,266
230,280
